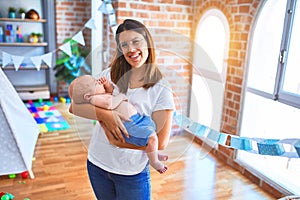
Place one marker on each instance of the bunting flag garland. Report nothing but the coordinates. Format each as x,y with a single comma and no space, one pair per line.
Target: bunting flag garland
114,29
17,61
112,19
6,59
262,146
91,24
79,38
47,58
66,48
106,8
37,61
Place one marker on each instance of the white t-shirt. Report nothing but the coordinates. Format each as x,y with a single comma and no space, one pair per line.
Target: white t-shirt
128,161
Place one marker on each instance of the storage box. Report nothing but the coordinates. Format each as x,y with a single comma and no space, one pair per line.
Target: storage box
33,92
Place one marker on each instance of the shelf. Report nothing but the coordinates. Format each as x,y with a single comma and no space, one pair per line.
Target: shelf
24,44
23,20
11,67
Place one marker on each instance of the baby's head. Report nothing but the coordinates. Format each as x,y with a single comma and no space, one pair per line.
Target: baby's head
82,88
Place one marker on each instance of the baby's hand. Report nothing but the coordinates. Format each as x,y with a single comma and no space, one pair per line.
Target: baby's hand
103,80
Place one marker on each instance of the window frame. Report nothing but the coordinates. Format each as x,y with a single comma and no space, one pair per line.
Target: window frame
278,93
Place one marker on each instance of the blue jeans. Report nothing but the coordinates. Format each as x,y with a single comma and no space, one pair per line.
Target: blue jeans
109,186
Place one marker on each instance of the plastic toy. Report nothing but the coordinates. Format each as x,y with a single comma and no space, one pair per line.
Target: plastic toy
55,99
62,99
68,100
12,176
7,196
25,174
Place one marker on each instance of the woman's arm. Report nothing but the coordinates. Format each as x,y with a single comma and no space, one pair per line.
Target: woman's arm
163,120
110,119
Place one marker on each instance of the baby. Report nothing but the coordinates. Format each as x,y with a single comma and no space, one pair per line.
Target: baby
141,128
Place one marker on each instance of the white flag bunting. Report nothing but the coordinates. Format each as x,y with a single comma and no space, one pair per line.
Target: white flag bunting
91,24
6,59
66,48
47,58
17,60
36,60
79,38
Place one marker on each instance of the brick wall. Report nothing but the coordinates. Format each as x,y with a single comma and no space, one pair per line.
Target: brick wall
71,15
172,23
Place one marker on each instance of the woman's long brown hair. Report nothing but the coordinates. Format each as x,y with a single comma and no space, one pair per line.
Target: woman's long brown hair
120,68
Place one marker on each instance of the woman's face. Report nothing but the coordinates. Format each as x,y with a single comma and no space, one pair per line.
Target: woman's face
134,47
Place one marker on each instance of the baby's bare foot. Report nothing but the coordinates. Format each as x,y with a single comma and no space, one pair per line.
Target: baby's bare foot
163,170
162,157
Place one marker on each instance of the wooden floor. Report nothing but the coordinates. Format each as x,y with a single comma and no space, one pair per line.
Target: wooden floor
60,171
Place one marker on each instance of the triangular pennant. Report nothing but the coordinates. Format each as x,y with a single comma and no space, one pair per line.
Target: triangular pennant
112,20
109,9
103,8
91,24
114,29
66,48
79,38
36,60
6,59
47,58
17,60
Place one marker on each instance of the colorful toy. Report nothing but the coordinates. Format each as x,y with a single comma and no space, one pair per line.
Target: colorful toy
12,176
63,99
68,100
55,99
25,174
7,196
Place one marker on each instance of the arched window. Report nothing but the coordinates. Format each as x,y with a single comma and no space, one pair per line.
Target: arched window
272,101
209,72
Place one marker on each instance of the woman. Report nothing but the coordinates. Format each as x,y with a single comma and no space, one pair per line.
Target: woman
123,173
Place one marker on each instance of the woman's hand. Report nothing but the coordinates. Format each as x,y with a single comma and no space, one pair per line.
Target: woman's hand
113,126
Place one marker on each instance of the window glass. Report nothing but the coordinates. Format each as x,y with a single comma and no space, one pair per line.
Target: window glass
292,74
212,40
265,46
263,117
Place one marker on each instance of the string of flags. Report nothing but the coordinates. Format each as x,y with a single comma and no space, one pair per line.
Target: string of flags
273,147
47,58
